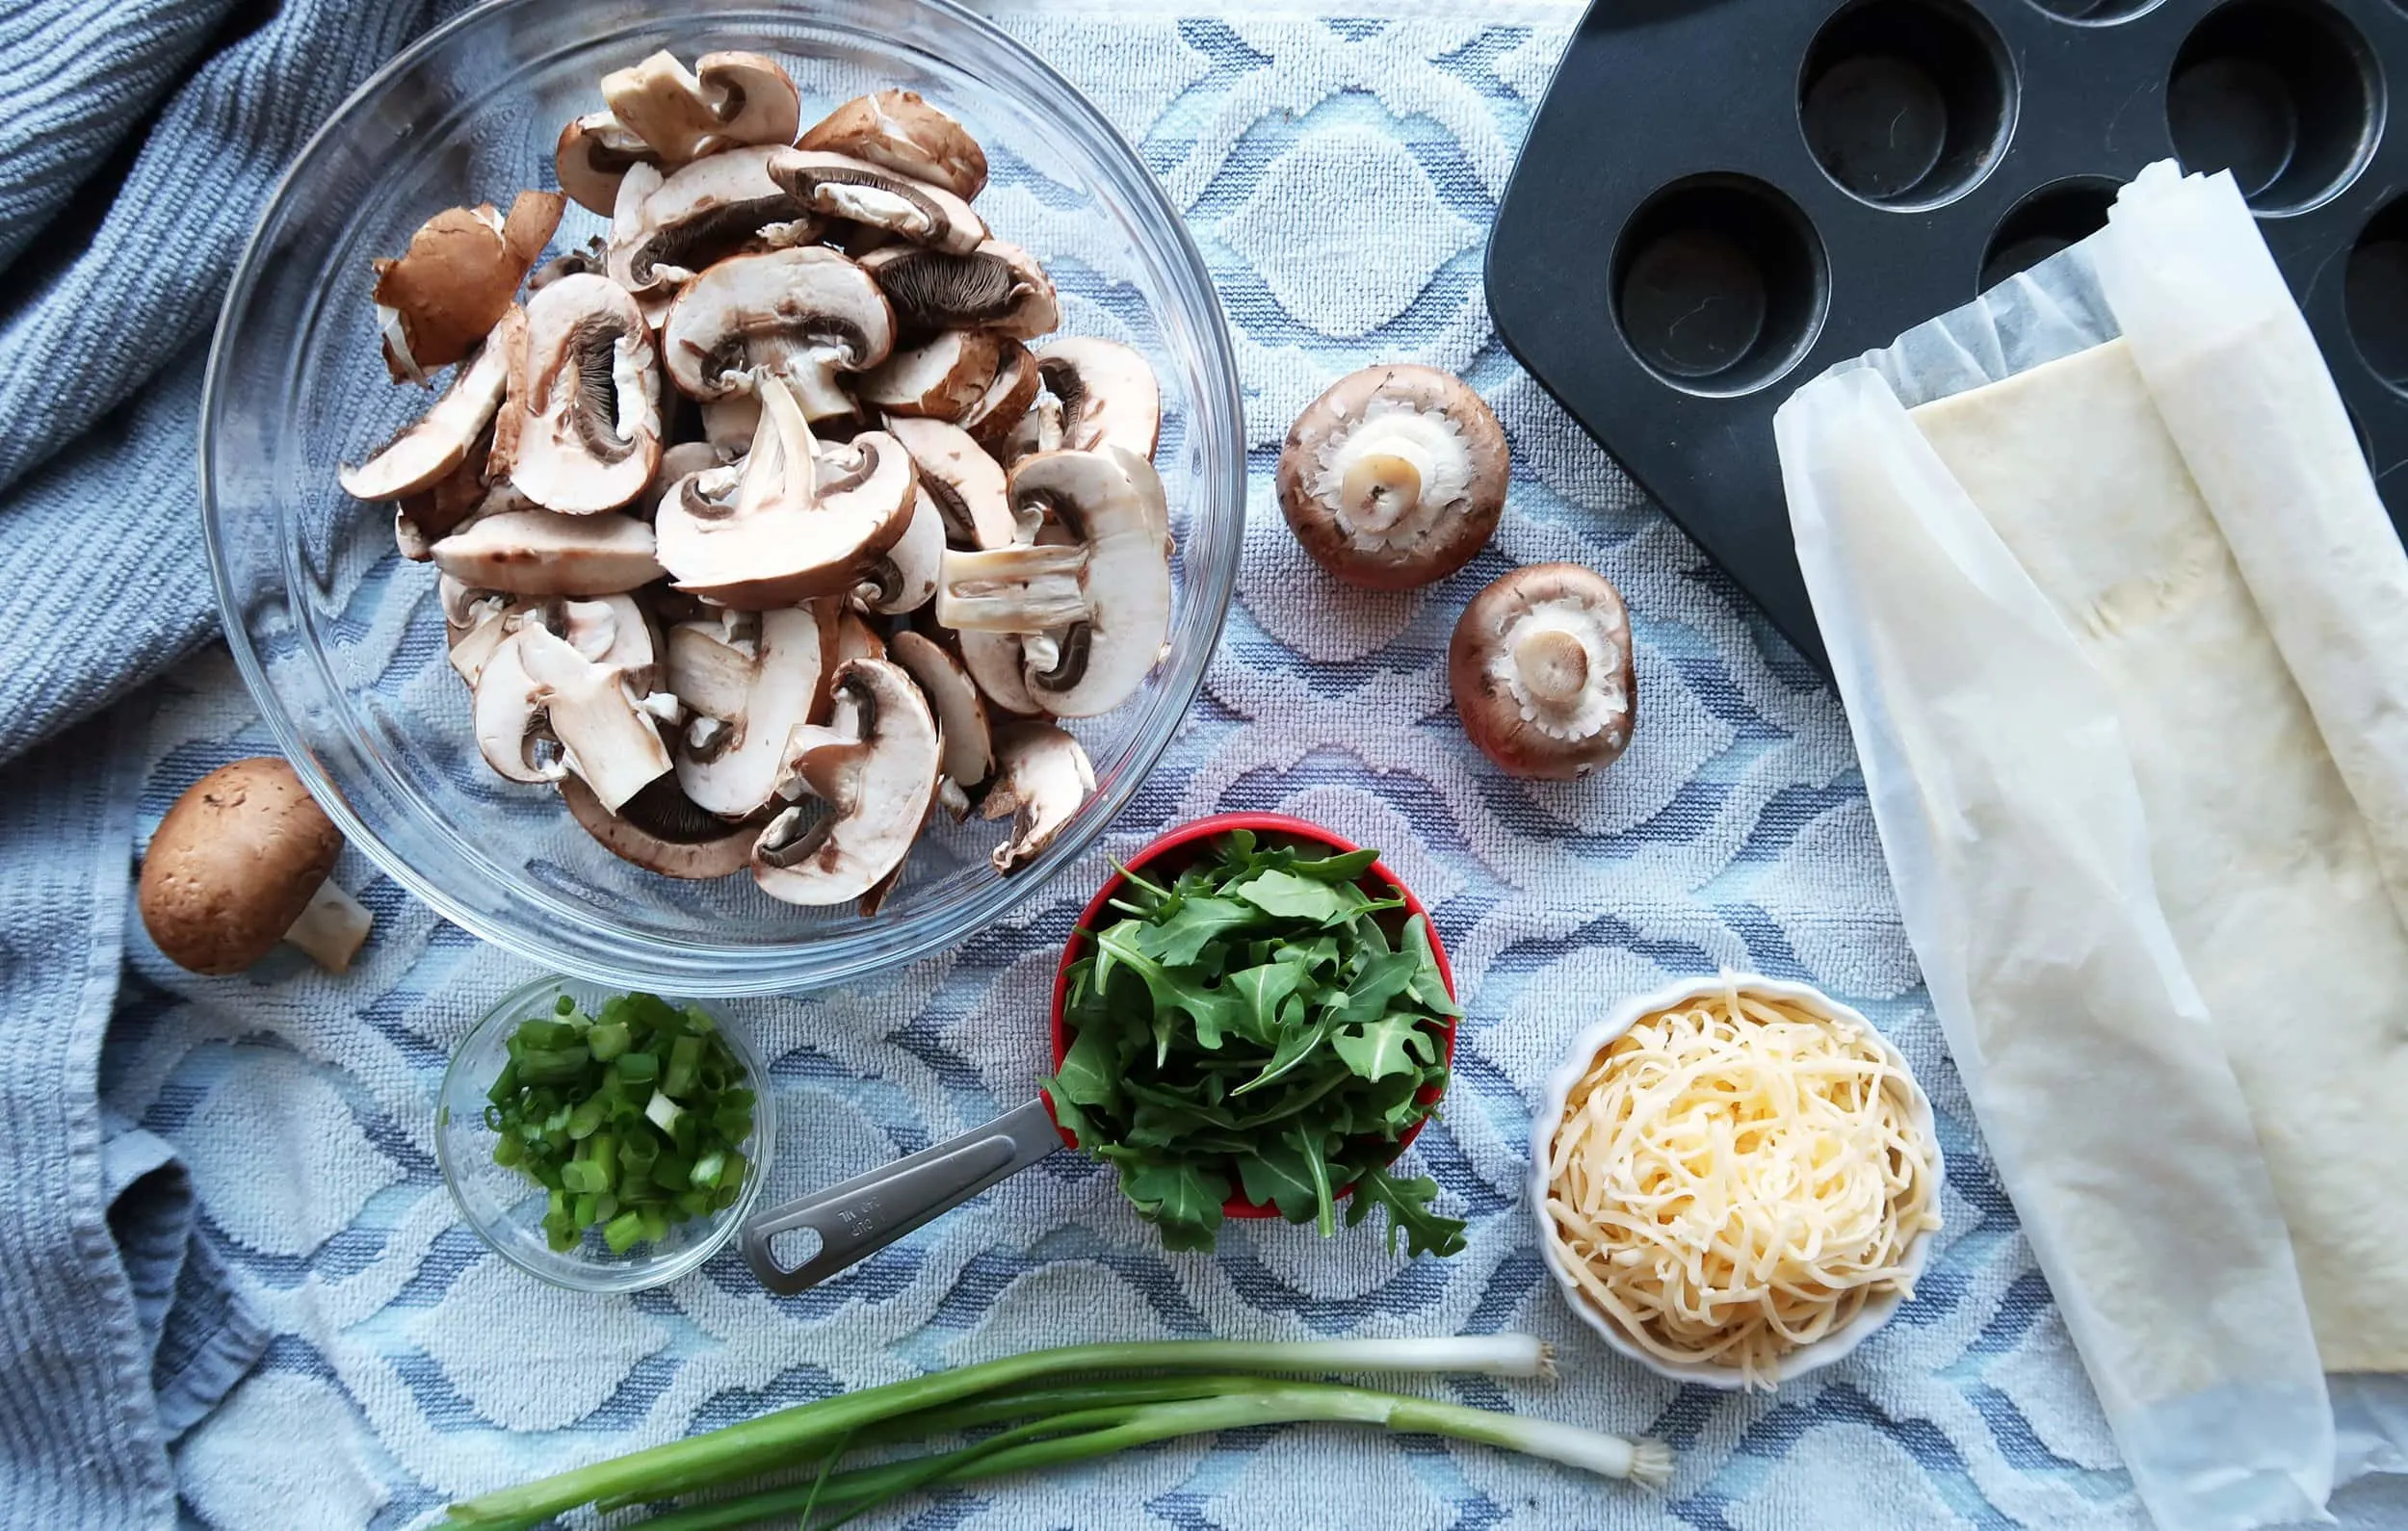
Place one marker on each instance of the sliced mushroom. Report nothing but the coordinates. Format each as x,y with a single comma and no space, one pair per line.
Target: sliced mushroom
943,378
994,421
757,691
244,860
543,552
1395,476
838,186
1123,571
585,408
999,662
1040,429
606,735
659,830
791,523
968,488
708,210
1109,393
904,579
902,132
433,447
728,425
448,290
1041,778
961,713
594,152
803,314
1023,588
420,520
493,618
727,100
678,462
614,631
1542,671
856,640
999,286
507,714
877,786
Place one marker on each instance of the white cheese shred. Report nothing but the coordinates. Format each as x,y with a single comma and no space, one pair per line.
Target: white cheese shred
1735,1177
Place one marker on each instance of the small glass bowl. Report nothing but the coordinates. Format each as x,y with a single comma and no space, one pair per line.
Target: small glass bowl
342,643
506,1209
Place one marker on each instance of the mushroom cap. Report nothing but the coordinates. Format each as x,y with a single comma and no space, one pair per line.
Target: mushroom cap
996,417
1395,476
1109,393
1104,499
902,132
943,379
433,447
544,553
1543,674
998,286
904,579
752,97
583,422
659,830
1042,775
968,486
593,153
233,865
762,696
805,313
877,787
703,213
839,186
796,525
450,287
961,721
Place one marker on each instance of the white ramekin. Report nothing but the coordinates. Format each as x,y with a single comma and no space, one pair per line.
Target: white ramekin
1582,1053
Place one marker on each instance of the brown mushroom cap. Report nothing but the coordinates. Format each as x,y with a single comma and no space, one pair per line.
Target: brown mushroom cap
233,865
461,270
902,132
1395,476
1542,671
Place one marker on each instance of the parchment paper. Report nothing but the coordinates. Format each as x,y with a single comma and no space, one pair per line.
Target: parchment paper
2005,784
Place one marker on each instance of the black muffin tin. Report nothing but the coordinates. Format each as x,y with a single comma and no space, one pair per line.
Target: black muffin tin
1720,198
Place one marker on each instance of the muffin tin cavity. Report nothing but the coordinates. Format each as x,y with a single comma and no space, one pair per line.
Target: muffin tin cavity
2284,93
2051,219
1906,103
1718,284
2095,13
2375,295
1719,199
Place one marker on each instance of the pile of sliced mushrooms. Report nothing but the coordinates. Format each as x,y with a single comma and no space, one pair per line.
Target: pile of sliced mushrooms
764,525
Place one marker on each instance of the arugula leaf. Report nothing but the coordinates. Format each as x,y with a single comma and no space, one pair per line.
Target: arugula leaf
1429,987
1198,921
1298,1037
1090,1070
1278,1174
1395,1044
1179,1197
1292,898
1348,867
1261,990
1213,1012
1074,1121
1407,1202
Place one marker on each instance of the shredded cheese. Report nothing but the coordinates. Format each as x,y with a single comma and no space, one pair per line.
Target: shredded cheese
1735,1177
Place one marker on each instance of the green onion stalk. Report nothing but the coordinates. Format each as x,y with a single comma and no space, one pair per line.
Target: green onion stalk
1061,1406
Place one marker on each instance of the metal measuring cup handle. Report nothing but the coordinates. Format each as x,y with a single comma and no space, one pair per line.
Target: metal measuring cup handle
871,1212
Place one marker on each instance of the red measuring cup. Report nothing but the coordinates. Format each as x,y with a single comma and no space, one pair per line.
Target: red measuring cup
866,1213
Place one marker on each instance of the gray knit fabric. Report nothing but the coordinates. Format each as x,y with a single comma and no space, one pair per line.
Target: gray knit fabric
137,141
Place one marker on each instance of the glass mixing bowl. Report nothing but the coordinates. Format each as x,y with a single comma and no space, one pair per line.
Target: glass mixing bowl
342,641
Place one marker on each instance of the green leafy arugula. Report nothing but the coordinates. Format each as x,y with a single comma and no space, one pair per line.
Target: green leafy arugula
1264,1023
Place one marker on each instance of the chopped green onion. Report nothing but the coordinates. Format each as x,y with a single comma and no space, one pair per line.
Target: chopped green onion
609,1114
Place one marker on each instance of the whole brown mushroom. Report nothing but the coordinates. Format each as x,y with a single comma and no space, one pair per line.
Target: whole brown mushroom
1542,673
239,864
1395,476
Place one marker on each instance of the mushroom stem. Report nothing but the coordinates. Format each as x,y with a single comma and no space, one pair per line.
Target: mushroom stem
1553,665
1381,490
332,928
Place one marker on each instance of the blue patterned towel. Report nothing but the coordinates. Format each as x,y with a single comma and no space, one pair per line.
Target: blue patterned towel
401,1365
